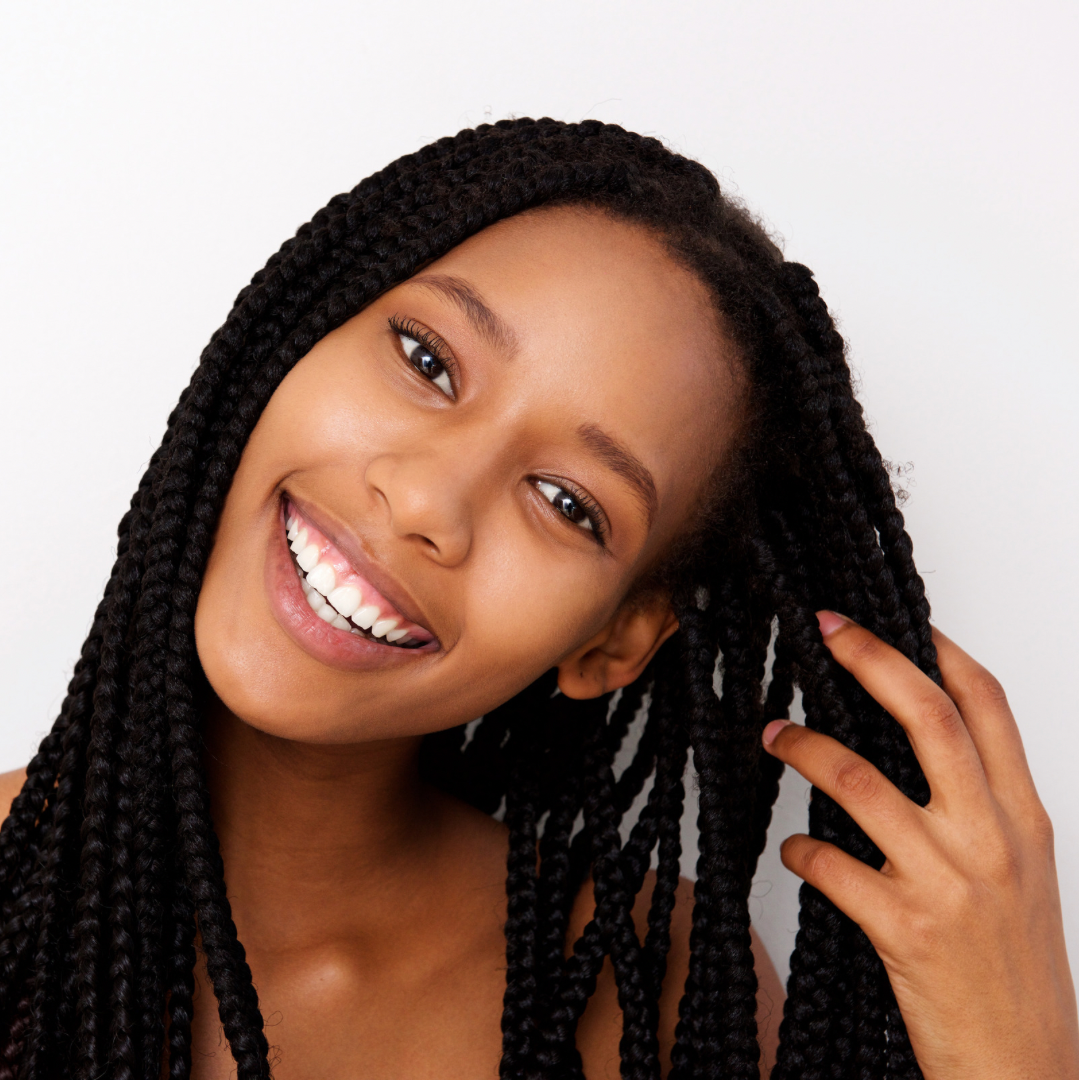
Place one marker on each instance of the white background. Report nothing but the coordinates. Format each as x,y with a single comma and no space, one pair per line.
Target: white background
920,156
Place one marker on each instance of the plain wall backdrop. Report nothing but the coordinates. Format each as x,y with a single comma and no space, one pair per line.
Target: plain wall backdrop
921,157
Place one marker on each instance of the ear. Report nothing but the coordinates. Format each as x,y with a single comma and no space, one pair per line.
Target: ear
617,655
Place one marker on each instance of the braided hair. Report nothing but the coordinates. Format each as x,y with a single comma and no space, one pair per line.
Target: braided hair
109,861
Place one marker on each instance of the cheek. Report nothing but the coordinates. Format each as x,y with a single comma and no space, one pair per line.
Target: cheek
249,661
325,410
526,610
239,644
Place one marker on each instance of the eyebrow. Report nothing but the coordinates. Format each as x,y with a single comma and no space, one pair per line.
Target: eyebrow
483,319
622,461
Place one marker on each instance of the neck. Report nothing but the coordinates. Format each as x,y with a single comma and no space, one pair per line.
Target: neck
310,829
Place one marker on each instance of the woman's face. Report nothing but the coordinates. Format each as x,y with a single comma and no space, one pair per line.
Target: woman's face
476,469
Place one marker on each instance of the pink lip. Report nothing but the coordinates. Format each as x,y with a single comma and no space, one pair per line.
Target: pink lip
326,643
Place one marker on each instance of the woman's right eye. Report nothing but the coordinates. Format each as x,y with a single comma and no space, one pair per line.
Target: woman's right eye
427,363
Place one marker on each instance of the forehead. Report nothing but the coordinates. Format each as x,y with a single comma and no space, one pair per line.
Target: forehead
607,322
569,271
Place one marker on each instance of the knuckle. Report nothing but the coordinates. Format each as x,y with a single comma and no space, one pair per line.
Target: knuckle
1001,861
940,714
856,780
983,688
865,649
922,931
1040,828
1003,852
956,898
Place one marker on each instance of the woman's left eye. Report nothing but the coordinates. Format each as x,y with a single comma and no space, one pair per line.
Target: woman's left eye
427,363
565,503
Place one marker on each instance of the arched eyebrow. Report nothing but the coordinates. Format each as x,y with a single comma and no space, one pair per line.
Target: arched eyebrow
620,460
486,323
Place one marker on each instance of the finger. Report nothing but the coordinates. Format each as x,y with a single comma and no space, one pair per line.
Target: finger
876,805
929,716
988,718
860,892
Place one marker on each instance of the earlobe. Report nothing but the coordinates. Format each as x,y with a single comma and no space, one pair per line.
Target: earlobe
618,654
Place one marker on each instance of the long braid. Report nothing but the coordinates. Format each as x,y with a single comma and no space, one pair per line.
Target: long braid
642,972
109,860
717,1022
577,978
47,769
866,459
670,792
96,856
50,1003
863,992
523,977
563,988
199,858
614,890
562,862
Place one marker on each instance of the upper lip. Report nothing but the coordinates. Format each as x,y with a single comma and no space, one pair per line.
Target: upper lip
350,545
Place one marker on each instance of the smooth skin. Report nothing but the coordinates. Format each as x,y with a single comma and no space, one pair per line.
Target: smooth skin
371,906
965,912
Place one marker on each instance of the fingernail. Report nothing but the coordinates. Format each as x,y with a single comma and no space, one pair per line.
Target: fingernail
772,730
830,622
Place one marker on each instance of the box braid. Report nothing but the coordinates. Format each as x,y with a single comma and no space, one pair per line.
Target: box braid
109,865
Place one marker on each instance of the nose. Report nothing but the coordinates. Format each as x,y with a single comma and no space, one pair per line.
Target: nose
428,500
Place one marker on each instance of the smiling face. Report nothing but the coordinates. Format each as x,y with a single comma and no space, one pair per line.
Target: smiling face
476,469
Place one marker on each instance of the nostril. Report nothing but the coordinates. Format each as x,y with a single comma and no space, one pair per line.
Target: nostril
425,504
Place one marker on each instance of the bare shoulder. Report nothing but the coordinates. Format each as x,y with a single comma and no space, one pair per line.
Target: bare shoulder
10,785
601,1026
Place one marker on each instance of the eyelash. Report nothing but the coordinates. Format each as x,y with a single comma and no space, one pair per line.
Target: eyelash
432,342
588,504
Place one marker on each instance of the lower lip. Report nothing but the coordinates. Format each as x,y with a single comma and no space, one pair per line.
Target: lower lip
319,639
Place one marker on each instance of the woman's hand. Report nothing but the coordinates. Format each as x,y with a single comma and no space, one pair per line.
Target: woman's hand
965,912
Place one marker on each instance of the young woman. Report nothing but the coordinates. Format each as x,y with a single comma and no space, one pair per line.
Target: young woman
534,426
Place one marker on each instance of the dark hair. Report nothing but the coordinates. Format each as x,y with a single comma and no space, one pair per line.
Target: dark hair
109,861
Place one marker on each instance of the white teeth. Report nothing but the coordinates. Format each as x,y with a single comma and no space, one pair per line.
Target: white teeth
308,558
319,582
322,577
346,598
366,616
